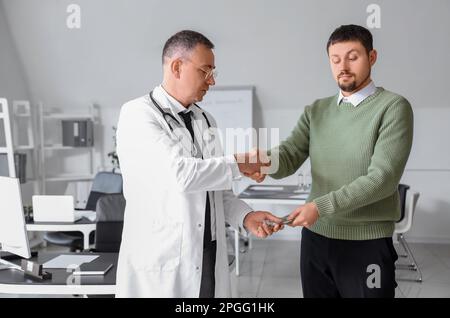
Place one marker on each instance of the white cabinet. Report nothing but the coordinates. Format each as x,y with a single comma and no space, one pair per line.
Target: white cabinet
17,135
24,136
6,144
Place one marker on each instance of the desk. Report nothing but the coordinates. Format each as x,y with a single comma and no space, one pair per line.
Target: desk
268,194
62,282
84,226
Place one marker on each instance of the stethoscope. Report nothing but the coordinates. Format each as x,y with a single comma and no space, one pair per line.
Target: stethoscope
172,118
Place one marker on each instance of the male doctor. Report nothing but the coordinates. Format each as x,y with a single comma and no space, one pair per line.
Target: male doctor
177,184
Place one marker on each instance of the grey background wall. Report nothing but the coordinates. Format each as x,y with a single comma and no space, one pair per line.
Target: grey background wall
12,76
12,81
277,46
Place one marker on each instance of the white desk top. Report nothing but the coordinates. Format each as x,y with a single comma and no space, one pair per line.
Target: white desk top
273,194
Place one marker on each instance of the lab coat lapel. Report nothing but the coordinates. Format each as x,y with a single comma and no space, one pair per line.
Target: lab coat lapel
167,106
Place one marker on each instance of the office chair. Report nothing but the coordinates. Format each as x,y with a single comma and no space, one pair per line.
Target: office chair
108,233
403,226
104,183
402,190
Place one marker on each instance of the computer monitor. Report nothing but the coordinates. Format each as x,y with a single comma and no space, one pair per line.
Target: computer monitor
13,232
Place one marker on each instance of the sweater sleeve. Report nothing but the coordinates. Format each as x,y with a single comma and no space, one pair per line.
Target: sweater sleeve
386,167
292,153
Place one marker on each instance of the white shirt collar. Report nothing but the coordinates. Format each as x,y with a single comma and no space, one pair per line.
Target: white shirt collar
356,98
176,105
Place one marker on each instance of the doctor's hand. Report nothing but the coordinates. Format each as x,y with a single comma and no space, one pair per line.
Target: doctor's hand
305,215
253,164
262,223
257,176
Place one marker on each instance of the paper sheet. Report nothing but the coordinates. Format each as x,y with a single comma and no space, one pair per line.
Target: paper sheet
90,215
69,261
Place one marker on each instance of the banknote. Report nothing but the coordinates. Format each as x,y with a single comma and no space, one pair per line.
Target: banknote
284,220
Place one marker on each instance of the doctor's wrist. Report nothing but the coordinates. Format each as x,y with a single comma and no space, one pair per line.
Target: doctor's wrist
245,221
235,172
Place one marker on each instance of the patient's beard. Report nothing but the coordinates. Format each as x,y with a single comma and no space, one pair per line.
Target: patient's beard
350,87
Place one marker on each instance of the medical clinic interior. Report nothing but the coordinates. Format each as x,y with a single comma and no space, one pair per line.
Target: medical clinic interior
224,149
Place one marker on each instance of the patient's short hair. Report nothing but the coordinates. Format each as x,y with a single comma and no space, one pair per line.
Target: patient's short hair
352,32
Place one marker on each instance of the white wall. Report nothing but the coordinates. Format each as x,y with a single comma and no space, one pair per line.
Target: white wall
12,83
12,76
276,46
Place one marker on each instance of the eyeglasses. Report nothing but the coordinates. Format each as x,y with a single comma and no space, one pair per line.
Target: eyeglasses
210,73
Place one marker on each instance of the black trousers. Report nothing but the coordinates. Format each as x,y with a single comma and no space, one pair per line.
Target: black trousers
333,268
208,283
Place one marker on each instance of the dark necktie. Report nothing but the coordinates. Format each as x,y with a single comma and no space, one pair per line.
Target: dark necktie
207,236
188,122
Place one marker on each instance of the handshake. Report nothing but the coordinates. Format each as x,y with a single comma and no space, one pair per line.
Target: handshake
254,164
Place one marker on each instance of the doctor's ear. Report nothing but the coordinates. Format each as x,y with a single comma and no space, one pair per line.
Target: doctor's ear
175,67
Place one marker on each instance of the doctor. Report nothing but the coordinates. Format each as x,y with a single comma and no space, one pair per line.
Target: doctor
177,184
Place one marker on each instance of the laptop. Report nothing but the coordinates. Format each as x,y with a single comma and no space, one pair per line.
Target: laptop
55,208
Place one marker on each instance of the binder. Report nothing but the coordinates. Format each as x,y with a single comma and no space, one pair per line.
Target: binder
78,133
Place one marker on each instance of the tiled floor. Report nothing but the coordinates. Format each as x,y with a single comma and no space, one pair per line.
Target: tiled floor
271,269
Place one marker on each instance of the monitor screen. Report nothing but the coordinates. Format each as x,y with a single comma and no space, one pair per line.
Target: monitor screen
13,233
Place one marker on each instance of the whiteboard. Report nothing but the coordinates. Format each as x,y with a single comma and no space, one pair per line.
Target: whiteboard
231,107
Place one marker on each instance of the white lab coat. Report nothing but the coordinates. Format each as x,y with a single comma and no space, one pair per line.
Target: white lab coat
165,191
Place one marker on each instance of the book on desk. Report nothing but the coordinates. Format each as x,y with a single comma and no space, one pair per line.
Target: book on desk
93,268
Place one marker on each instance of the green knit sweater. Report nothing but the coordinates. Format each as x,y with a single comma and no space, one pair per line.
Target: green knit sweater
357,155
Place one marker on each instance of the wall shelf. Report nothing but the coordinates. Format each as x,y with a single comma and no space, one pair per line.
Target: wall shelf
53,119
69,116
61,147
69,177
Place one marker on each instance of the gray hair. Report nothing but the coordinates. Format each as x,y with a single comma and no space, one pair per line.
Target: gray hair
183,42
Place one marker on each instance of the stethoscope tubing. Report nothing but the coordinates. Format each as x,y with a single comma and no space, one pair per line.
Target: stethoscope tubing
164,114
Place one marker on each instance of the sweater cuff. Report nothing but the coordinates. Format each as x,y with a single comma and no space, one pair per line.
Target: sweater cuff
324,205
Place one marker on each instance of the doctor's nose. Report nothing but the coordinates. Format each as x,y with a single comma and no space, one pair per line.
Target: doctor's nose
211,81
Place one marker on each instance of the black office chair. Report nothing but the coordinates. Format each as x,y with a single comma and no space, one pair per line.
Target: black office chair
108,233
104,183
402,189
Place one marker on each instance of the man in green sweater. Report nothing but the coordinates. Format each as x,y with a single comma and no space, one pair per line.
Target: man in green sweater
358,142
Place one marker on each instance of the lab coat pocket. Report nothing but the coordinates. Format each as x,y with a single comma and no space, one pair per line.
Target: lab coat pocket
161,251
